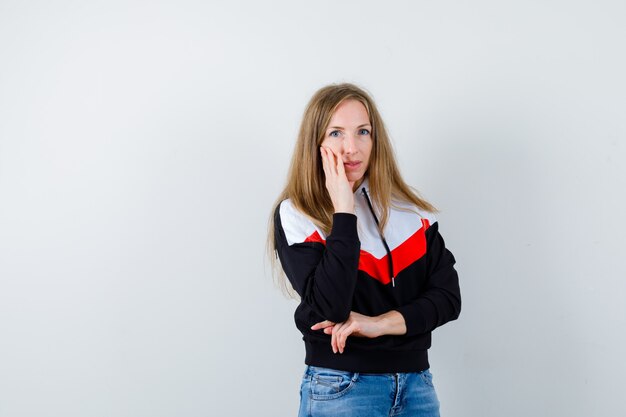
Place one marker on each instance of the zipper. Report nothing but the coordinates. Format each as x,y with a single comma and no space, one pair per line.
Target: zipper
397,394
369,204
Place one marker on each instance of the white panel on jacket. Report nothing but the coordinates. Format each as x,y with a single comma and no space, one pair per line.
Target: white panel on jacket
404,220
296,225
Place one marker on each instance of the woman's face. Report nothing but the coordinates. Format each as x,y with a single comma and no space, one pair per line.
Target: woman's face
348,135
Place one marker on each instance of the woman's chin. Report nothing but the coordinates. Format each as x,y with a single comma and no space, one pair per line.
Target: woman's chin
355,180
354,177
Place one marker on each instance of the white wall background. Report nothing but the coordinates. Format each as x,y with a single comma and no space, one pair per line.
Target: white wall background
143,143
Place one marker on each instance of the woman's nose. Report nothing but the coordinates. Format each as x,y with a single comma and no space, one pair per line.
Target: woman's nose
349,144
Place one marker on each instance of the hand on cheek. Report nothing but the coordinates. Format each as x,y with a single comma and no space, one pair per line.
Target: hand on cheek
337,184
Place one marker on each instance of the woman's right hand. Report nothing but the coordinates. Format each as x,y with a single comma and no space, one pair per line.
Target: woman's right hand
337,184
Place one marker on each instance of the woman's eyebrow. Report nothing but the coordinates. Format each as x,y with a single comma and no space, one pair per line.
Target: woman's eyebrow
341,127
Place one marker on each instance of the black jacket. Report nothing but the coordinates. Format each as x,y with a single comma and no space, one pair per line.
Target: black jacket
355,269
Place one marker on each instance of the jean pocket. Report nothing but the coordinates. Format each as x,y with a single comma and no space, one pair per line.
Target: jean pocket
427,377
328,384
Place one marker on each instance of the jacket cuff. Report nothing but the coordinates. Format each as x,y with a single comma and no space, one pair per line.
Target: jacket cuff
344,225
413,319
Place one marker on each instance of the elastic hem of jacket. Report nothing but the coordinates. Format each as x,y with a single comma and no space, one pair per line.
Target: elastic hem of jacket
366,361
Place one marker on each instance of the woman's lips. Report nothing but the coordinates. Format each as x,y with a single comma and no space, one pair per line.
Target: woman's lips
352,165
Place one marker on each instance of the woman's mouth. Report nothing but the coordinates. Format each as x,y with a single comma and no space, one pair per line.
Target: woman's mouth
352,165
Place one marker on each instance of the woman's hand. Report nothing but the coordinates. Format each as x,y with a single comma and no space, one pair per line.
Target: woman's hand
360,325
337,184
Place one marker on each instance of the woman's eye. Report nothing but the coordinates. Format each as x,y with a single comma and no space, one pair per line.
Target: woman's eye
334,134
364,132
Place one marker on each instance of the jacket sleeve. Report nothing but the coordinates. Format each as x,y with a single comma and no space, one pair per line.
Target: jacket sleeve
440,300
324,275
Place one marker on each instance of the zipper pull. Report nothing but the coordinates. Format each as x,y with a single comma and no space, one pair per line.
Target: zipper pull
393,282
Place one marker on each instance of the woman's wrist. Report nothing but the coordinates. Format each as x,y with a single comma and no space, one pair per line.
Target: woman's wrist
391,323
344,207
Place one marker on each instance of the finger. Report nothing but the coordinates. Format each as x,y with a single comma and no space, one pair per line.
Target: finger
332,164
341,170
333,338
333,344
324,160
342,337
341,334
322,325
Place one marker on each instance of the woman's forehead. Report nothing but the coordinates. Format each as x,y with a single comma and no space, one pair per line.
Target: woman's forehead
349,113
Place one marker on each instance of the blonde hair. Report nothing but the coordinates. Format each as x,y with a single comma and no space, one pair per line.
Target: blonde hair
305,181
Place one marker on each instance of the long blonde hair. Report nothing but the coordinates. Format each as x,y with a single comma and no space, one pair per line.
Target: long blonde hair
306,183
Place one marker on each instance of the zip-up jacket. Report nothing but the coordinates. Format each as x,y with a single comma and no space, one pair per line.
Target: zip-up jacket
355,268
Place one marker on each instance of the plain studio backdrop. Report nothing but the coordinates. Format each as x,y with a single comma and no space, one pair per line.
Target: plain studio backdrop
142,145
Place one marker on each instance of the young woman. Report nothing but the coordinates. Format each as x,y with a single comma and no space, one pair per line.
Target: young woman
365,256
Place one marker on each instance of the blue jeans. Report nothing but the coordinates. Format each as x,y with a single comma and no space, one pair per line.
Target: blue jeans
331,393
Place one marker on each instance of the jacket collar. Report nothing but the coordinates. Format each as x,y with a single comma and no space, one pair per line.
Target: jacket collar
365,184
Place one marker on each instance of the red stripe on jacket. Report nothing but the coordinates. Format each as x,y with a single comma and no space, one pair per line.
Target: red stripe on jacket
403,255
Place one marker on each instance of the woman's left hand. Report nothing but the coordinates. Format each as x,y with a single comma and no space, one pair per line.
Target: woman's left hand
361,325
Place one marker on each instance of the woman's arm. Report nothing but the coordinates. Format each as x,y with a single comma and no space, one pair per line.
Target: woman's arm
438,303
323,273
440,300
360,325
